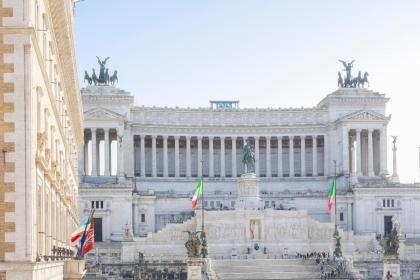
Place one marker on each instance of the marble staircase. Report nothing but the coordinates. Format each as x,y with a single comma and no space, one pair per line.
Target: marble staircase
265,269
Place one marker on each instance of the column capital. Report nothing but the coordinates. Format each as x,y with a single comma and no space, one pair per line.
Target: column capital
302,136
314,136
165,137
199,138
233,137
142,136
268,137
371,130
188,137
176,137
93,129
106,129
279,137
154,136
222,137
290,137
211,138
358,130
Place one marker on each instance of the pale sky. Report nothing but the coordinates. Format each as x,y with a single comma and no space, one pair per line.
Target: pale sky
262,53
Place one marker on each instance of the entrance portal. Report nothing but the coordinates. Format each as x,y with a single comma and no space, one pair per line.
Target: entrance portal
387,225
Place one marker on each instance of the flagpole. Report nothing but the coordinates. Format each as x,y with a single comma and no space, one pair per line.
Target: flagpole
335,192
202,198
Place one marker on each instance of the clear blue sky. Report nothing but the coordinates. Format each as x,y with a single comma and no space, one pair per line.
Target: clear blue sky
262,53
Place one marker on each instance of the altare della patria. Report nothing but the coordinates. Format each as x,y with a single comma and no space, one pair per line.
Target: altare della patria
268,175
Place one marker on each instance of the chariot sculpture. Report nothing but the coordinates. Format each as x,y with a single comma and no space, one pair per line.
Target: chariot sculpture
103,78
349,80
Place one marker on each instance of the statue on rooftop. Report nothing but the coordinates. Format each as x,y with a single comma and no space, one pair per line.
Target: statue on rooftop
104,78
349,81
193,244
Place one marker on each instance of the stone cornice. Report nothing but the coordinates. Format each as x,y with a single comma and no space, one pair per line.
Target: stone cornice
228,131
352,96
62,23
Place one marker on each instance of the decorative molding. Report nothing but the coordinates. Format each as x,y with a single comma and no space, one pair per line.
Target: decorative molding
102,114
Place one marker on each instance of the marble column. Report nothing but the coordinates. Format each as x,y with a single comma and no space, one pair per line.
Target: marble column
291,158
154,170
234,174
394,177
345,150
188,155
135,217
349,218
359,153
142,157
257,155
268,156
86,158
326,155
200,156
211,157
280,156
120,152
176,156
129,153
222,157
302,157
165,156
107,148
314,156
370,153
352,167
383,152
94,154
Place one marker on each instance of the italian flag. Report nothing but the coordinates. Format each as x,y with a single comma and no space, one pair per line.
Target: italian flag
331,195
78,233
197,194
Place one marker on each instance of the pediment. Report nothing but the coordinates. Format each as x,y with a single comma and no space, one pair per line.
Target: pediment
102,114
364,115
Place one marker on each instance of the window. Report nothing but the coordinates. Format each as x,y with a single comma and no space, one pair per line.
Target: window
388,203
143,218
341,216
98,204
211,204
232,204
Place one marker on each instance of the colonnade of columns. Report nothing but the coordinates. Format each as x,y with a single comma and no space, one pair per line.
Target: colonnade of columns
92,156
190,156
367,151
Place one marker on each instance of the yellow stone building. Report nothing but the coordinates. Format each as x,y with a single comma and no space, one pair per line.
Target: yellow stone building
40,135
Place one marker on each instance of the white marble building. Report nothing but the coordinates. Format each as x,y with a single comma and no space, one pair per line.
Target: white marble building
158,154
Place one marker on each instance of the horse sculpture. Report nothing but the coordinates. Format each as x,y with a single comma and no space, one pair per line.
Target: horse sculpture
94,77
114,78
106,77
89,79
363,80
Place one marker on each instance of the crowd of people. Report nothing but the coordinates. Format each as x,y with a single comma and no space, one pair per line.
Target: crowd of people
330,267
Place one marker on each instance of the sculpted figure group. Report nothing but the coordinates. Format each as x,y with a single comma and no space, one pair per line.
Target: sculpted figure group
104,78
348,80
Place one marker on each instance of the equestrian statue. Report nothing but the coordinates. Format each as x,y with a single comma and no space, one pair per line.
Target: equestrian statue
248,158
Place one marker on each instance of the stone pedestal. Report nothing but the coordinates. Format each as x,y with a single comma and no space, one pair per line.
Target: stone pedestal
194,266
74,269
249,192
392,264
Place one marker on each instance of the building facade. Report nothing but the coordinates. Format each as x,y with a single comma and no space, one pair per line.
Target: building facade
140,165
40,135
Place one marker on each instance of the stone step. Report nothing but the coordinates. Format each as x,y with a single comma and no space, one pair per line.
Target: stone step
267,275
272,268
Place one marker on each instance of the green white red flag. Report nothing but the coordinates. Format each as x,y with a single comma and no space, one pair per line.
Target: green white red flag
197,194
331,195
